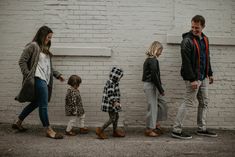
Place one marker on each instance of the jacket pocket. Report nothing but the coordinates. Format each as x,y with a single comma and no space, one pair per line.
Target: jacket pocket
27,91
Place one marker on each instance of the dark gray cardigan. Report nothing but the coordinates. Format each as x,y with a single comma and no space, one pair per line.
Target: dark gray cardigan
28,63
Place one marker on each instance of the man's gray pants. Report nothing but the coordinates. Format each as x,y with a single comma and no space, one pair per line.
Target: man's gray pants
201,93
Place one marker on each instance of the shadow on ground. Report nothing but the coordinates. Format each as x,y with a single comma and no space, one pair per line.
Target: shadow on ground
33,143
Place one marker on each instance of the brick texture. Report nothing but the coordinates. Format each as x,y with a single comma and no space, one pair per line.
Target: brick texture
127,28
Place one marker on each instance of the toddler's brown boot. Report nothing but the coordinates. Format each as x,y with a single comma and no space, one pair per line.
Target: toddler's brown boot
100,133
83,130
118,133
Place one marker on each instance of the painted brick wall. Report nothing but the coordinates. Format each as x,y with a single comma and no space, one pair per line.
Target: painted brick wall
127,27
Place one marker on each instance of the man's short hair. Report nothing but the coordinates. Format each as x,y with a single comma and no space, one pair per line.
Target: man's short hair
199,18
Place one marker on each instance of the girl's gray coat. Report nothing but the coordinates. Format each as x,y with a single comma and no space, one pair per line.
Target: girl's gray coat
28,63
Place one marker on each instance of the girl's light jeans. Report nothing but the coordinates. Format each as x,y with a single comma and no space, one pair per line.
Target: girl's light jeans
157,108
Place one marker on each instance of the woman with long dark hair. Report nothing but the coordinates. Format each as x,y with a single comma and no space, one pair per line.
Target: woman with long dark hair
36,67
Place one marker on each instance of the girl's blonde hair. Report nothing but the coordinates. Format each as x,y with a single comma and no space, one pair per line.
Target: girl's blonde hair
156,45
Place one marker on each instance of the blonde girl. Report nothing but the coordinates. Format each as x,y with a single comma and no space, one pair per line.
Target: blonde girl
157,108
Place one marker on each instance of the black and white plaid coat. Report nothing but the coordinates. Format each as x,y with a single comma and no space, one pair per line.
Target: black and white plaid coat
111,91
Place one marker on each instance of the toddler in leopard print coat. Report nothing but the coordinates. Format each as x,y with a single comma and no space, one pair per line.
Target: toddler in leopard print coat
74,107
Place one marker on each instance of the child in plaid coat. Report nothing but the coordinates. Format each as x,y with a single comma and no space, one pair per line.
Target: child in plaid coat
74,107
111,103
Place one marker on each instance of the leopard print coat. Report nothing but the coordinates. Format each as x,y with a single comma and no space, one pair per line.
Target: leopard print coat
73,103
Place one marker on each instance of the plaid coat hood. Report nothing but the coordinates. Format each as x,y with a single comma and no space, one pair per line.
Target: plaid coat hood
111,91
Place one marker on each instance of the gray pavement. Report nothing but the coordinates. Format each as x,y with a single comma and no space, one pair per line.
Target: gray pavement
33,143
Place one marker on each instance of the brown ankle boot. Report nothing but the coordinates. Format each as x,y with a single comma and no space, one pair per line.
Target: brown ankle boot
159,131
83,130
118,133
151,133
100,133
70,133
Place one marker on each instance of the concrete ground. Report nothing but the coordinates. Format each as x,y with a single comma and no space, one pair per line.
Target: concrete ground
33,143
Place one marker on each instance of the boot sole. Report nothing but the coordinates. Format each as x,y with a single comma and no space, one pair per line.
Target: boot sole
180,137
199,134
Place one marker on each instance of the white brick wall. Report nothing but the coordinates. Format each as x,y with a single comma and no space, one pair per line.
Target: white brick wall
127,27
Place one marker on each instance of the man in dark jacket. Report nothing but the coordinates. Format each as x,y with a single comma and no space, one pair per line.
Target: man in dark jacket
195,69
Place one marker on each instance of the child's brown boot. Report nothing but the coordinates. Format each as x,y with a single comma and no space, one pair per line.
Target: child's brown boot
70,133
159,131
151,133
83,130
100,133
118,133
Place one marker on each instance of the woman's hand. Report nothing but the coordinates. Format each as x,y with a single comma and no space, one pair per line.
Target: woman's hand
211,79
61,78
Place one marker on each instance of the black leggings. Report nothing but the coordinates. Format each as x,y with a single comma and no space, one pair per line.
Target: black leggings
113,118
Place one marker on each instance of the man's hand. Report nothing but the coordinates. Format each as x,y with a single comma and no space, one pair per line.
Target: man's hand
211,79
194,84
